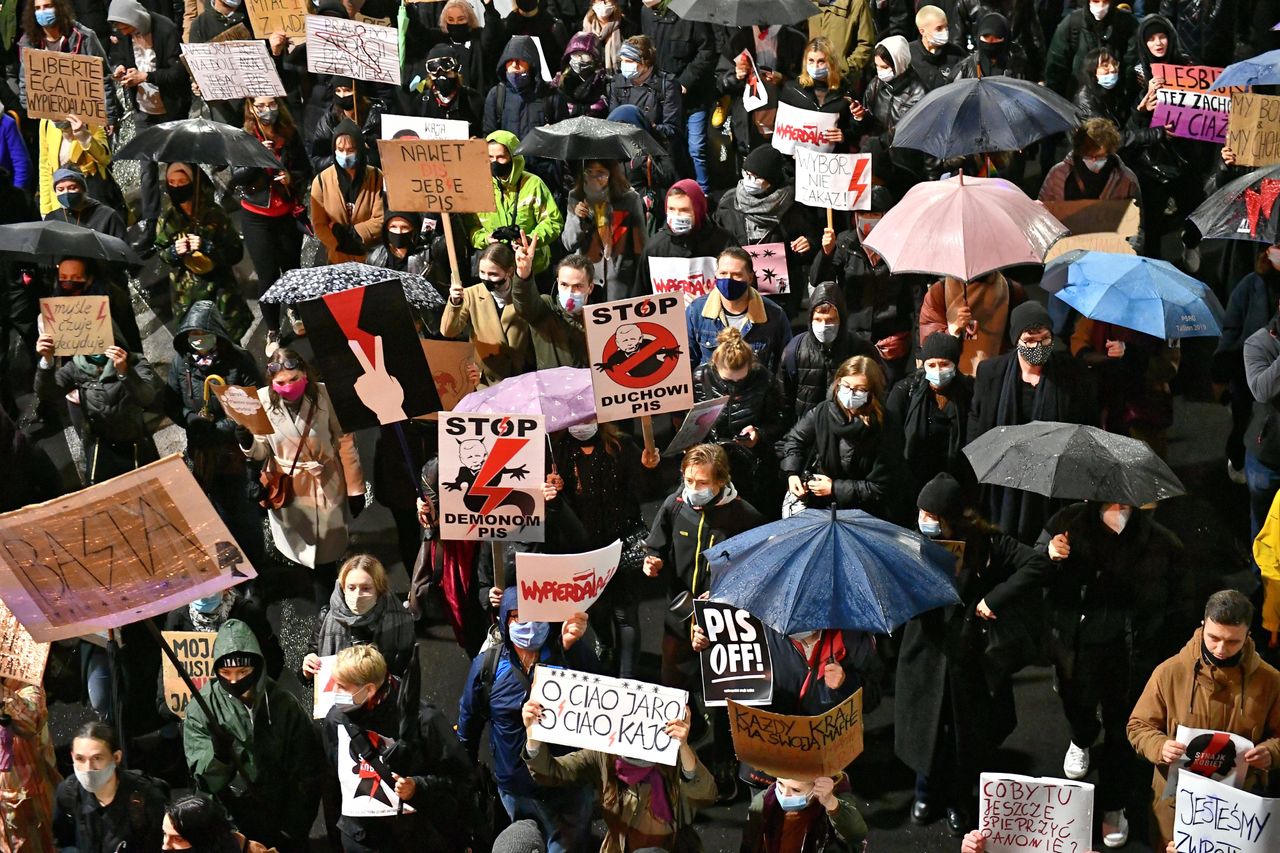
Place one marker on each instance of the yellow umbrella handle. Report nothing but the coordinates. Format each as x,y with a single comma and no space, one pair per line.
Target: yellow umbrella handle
217,380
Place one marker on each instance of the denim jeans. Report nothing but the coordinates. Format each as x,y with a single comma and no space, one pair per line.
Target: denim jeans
563,815
696,126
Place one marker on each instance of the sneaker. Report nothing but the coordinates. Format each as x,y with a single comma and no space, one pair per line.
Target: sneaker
1235,475
273,343
1115,829
1076,763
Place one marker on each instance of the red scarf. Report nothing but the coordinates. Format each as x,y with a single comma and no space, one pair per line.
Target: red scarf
828,649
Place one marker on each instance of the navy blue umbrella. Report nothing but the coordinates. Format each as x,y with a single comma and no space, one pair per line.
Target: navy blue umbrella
827,569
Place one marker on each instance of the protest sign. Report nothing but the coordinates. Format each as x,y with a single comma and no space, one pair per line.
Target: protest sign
613,715
136,546
80,325
1253,132
239,32
553,587
242,404
1184,101
233,69
1212,754
21,657
956,548
754,92
370,355
420,127
769,263
697,425
691,276
1211,817
640,350
278,16
437,175
833,181
59,84
325,692
798,128
500,465
1018,813
368,784
1099,225
801,748
353,49
736,665
194,649
449,362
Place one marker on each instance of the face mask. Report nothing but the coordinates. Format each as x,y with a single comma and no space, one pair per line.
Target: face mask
629,69
824,332
98,359
495,283
209,604
1108,81
679,223
731,289
399,239
93,780
241,687
851,400
1095,164
345,160
583,67
697,497
991,48
345,102
500,170
71,200
527,5
1099,10
1116,519
1213,660
790,804
939,38
818,73
602,10
267,116
938,377
753,185
292,391
445,85
358,602
569,301
459,32
1036,354
182,193
71,288
46,17
518,79
885,74
930,528
529,636
803,637
202,343
584,432
1273,255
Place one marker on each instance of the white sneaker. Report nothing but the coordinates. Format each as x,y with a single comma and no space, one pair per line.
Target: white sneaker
1235,475
1115,829
1076,762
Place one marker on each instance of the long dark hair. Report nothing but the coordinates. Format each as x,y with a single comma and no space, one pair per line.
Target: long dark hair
311,393
284,126
202,822
65,18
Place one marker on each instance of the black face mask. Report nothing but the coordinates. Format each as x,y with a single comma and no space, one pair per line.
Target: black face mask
996,50
459,32
183,193
500,170
400,239
345,102
1213,660
243,686
445,85
527,5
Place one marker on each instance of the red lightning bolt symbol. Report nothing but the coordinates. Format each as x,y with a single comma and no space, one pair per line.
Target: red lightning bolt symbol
856,183
504,449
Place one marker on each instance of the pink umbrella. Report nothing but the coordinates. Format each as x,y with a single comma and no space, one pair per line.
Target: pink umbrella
964,228
562,395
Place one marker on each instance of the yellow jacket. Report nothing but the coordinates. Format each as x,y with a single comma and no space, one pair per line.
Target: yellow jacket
92,159
1266,551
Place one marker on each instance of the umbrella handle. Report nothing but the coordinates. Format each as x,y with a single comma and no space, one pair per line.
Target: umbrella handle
216,380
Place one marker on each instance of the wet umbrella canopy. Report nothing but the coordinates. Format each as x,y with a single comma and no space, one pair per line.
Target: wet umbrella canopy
562,395
198,140
299,285
744,13
50,241
1259,70
1244,209
586,138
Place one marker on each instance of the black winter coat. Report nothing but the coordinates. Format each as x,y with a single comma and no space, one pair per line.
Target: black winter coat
936,69
130,822
1206,28
753,401
707,241
864,461
93,214
1025,31
790,58
887,103
658,99
1093,101
932,443
321,144
686,50
467,105
170,76
498,31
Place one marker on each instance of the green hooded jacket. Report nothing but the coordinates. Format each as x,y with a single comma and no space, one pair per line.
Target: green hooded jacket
522,200
277,747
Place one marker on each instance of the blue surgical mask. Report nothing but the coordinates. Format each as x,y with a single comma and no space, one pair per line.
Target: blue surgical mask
345,161
730,288
932,529
818,73
851,400
790,804
1108,81
529,636
940,376
697,497
571,302
208,604
46,17
518,79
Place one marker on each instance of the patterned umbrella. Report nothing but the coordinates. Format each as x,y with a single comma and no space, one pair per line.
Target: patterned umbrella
304,283
562,395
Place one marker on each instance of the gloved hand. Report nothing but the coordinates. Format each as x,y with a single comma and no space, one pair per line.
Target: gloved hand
244,437
223,745
348,240
355,503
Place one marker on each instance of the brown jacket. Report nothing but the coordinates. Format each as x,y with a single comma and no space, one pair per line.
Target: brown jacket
328,207
1184,690
502,342
990,304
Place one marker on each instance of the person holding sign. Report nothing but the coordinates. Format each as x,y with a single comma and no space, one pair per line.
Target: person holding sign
486,313
736,302
362,611
797,815
52,25
1217,682
687,233
446,93
606,223
821,87
216,18
644,804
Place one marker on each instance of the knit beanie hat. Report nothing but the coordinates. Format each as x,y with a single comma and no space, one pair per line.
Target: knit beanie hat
942,497
1028,315
941,345
765,162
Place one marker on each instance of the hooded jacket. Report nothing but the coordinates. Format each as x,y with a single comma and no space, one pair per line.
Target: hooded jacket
887,102
1077,35
522,199
575,96
273,741
1175,55
808,366
706,240
348,237
519,110
1026,36
499,32
170,76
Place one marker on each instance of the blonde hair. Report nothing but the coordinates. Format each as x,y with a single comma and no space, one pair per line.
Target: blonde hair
711,455
927,12
732,352
835,62
472,20
371,565
861,365
360,664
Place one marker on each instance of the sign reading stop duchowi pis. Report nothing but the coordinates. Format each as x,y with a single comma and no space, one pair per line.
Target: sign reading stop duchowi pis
639,352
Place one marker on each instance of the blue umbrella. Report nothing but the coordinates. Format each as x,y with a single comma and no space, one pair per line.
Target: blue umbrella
828,569
1143,294
1259,70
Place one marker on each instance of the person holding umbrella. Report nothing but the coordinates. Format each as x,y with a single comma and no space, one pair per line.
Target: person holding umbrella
346,199
932,404
606,224
976,313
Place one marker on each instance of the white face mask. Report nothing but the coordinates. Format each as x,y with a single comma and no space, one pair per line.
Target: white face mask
1099,10
824,332
679,223
752,184
939,38
93,780
584,432
885,74
628,68
1095,164
602,10
359,602
1116,519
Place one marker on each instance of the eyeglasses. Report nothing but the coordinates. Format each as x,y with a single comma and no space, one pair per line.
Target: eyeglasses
275,367
441,65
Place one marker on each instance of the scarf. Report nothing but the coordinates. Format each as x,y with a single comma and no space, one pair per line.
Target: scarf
609,35
830,428
828,649
211,621
920,405
632,776
763,213
350,185
386,625
1085,183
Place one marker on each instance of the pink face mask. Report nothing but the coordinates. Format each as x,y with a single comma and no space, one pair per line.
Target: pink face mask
291,391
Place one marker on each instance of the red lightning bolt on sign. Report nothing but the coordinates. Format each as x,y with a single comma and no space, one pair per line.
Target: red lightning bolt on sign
857,183
504,450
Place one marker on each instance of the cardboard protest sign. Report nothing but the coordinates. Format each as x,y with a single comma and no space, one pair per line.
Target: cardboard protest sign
1215,755
1099,225
21,657
370,355
420,127
833,181
136,546
353,49
59,84
736,665
233,69
368,785
1253,132
242,404
769,262
691,276
801,748
195,651
697,425
278,16
956,548
324,692
640,350
500,465
1184,101
80,325
448,361
553,587
237,33
437,175
1216,818
1018,813
798,128
613,715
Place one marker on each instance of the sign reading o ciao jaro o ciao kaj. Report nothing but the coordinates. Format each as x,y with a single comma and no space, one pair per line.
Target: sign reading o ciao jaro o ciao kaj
491,472
639,351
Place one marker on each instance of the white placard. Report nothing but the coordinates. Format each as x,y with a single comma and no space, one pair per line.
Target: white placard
325,690
492,468
365,793
421,127
1018,813
639,349
553,587
833,181
1213,754
691,276
796,128
1211,817
233,69
353,49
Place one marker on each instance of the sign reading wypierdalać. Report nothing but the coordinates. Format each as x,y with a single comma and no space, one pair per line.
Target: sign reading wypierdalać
798,747
136,546
61,84
692,277
492,468
553,587
639,349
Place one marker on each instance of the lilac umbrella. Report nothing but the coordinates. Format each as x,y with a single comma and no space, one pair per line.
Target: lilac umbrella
562,395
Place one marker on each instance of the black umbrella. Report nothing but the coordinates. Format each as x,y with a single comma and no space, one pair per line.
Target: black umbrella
50,241
586,138
198,140
304,283
1244,209
1072,462
982,114
744,13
